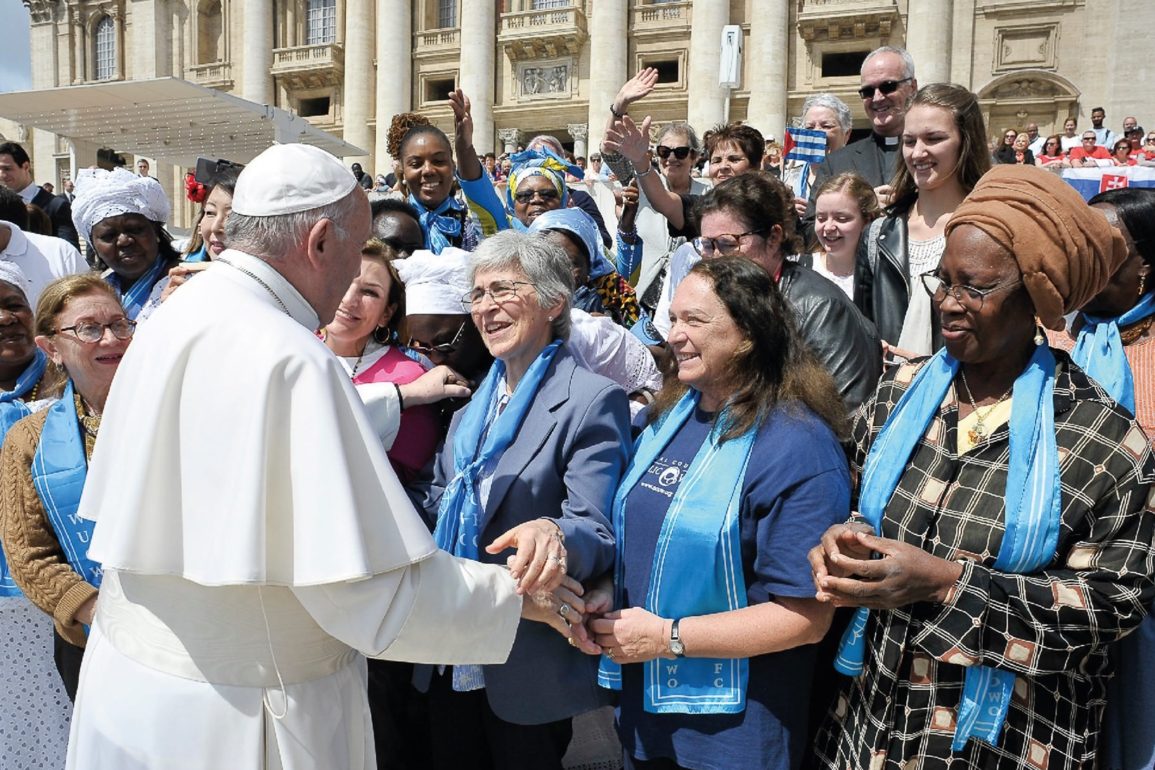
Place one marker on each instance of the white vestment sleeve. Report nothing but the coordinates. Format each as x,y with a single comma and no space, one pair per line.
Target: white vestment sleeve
441,609
383,408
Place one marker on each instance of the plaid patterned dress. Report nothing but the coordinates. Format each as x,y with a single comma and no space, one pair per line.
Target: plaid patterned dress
1051,628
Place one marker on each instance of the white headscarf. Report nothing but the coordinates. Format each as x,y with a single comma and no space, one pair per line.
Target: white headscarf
435,283
102,194
10,272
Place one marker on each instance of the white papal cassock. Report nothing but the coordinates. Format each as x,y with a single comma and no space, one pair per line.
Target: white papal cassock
255,542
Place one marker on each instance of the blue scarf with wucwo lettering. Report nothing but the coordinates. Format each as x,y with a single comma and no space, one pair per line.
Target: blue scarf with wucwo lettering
1032,516
12,410
697,567
59,469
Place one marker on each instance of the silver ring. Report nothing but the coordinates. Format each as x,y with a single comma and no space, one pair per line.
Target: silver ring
609,653
554,558
563,609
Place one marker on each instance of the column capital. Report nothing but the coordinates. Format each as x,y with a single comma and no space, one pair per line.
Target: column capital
509,135
578,130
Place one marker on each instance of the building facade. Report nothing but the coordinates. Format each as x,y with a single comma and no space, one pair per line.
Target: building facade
534,66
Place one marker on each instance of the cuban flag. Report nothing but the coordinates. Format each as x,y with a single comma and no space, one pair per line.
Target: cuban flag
805,144
1089,182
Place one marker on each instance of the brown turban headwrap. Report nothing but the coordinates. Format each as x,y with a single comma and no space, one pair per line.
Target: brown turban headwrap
1066,250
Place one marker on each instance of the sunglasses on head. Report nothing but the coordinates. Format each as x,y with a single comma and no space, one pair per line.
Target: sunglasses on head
681,153
887,87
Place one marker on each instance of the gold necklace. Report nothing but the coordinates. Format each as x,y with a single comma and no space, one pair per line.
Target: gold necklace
1135,331
979,431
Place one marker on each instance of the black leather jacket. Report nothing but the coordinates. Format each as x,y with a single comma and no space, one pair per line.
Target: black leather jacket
843,340
882,293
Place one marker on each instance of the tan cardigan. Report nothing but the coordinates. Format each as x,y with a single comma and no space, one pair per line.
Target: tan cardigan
34,555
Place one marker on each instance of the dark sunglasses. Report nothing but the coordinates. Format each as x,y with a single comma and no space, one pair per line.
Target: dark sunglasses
525,196
887,87
681,153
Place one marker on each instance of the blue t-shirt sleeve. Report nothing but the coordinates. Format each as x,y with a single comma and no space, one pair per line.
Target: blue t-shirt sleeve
797,486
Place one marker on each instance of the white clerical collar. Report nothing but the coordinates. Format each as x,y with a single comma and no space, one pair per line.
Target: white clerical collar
17,243
890,140
29,192
282,293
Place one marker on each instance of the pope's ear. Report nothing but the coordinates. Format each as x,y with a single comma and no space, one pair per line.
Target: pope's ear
320,238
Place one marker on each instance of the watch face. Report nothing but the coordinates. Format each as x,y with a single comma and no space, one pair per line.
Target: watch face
677,647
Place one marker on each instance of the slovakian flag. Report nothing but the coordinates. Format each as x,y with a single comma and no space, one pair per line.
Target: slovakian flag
805,144
1089,182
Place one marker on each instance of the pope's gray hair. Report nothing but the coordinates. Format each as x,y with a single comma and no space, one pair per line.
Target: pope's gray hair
546,265
274,236
832,103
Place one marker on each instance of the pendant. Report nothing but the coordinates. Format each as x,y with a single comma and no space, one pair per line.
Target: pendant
976,433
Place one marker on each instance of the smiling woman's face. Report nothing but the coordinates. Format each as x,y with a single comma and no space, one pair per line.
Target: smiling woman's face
127,243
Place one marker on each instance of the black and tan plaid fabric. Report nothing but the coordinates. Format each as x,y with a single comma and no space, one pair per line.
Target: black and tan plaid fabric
1051,628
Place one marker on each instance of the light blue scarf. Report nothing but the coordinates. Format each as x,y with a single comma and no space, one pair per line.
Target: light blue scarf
459,517
1099,351
137,295
1033,510
697,566
438,227
59,469
581,224
12,410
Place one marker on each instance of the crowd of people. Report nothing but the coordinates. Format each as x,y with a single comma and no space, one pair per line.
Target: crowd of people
759,463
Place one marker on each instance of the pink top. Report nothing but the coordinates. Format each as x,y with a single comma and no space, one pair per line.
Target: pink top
418,432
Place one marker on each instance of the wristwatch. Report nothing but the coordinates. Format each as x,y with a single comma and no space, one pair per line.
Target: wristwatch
676,645
615,113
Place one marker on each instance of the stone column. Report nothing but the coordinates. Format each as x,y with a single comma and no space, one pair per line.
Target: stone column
766,67
478,36
358,94
609,46
395,57
510,139
928,38
257,56
707,104
579,132
79,49
149,42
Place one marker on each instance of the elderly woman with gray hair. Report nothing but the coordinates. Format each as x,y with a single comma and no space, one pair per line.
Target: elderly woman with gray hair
820,112
544,442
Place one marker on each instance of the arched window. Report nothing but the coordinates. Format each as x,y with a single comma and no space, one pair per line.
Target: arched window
105,48
210,32
321,23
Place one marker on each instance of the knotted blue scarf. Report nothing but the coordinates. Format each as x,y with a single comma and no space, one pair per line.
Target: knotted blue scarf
1099,351
582,225
137,295
12,410
59,469
1032,514
438,227
697,566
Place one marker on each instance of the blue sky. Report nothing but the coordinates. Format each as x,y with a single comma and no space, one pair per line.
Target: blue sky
15,56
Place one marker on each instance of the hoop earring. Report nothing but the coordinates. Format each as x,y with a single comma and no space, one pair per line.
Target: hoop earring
381,335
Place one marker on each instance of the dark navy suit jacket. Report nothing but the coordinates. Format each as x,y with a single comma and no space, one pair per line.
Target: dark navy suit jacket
565,462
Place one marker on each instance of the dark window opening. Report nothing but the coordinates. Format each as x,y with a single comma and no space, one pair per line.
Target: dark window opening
667,70
438,90
311,108
843,65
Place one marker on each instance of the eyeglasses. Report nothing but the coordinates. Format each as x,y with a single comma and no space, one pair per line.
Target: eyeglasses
444,349
887,87
681,153
499,292
547,194
967,296
727,244
90,332
1088,138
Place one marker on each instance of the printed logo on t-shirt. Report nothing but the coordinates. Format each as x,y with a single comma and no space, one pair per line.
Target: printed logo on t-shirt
664,476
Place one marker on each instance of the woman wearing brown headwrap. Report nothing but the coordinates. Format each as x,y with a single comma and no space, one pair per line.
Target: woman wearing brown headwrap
1003,535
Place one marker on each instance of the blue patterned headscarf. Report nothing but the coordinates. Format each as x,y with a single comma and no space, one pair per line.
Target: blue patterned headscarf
543,162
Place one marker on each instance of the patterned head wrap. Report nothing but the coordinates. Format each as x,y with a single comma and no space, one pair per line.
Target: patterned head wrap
1066,250
11,273
543,162
102,194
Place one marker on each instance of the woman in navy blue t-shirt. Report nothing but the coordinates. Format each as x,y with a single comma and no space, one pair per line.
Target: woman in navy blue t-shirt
736,477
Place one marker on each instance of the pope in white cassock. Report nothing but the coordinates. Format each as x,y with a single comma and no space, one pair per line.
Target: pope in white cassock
254,539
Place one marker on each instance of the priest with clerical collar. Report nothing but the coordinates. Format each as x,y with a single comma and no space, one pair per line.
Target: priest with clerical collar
254,539
888,85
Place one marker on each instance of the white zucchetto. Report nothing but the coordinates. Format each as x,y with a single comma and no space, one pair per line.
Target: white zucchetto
435,283
289,178
101,194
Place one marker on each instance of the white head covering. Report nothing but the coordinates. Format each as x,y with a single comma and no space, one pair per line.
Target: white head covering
435,283
288,178
10,272
102,194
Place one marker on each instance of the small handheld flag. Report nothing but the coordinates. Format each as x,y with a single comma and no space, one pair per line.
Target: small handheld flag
805,144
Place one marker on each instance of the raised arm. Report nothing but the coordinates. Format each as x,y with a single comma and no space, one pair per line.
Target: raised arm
633,142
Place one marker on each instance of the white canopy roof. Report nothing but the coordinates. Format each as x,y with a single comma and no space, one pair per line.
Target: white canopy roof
167,119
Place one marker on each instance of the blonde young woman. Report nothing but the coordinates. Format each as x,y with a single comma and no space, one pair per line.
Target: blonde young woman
843,208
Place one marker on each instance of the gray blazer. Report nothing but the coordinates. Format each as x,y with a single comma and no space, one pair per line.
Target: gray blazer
565,462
